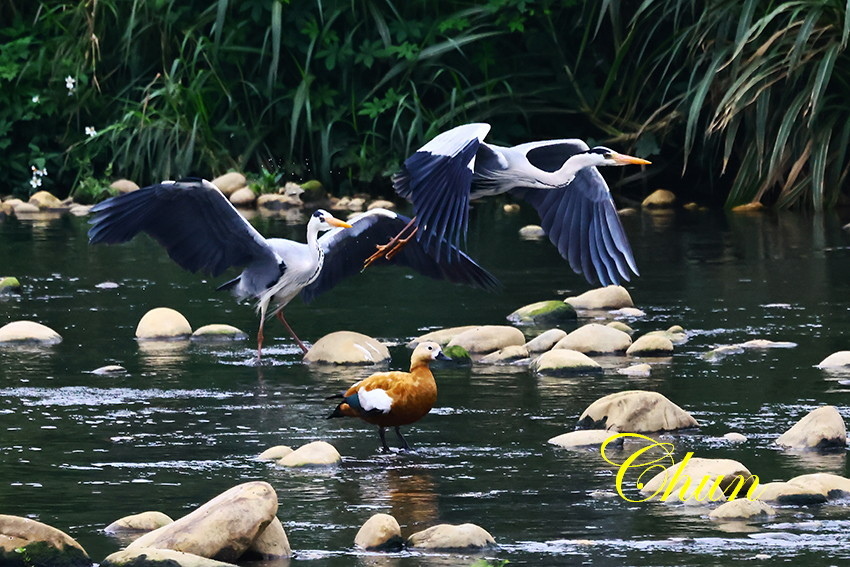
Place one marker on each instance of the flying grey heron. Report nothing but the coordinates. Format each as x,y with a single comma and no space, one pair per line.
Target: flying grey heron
203,232
557,177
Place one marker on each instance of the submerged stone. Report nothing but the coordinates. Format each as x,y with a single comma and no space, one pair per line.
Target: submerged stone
563,362
545,341
28,332
595,338
317,453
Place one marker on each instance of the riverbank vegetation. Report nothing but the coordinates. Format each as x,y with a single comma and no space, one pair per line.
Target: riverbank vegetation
745,99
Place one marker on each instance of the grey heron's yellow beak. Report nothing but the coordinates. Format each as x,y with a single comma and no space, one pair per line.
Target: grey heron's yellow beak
623,159
336,222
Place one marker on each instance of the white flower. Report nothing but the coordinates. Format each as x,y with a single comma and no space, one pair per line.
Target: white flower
70,84
91,132
35,181
35,99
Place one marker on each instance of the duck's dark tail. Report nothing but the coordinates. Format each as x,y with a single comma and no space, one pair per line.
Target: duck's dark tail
337,412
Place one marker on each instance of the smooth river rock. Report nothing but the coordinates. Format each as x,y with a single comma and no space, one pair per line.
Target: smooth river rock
223,529
838,359
150,557
609,297
659,199
676,334
532,232
441,336
28,332
219,332
270,544
552,312
636,411
562,362
124,185
143,522
488,338
638,370
45,200
43,545
230,182
581,438
317,453
822,428
275,453
651,345
347,347
788,494
828,484
243,197
694,471
505,355
595,338
163,323
545,341
452,537
381,532
741,509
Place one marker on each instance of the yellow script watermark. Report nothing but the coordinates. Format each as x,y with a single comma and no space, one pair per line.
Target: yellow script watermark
645,460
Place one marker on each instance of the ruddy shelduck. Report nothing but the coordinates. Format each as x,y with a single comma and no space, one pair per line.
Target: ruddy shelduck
393,399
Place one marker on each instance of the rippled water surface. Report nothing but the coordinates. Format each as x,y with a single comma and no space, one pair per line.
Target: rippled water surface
186,421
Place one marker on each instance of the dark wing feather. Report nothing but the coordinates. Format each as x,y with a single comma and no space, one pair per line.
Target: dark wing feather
192,220
582,222
346,249
437,179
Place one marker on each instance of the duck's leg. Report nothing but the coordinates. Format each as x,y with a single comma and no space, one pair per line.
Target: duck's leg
291,332
401,438
381,433
395,244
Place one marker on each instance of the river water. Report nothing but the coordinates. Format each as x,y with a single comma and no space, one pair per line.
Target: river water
186,422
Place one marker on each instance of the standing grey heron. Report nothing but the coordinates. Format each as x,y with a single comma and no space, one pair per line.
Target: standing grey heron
557,177
203,232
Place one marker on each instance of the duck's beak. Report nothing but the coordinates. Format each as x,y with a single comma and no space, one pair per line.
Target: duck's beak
441,356
333,221
623,159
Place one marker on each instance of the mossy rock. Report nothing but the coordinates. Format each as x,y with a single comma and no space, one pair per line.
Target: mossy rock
9,284
42,553
458,354
550,312
313,191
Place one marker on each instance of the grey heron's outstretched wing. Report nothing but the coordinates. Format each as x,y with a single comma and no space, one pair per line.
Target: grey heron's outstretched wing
346,249
193,221
582,222
437,179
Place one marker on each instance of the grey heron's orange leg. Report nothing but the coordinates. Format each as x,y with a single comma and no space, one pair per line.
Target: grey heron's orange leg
393,247
291,332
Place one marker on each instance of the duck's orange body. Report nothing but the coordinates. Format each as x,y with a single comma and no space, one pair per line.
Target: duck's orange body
393,399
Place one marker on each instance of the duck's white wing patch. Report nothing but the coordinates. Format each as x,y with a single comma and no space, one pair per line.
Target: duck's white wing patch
374,400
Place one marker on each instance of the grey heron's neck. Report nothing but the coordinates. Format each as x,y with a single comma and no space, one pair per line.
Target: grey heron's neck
567,172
